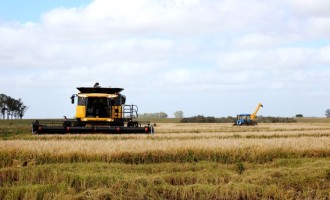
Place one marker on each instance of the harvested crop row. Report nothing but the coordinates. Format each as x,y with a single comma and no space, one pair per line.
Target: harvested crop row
150,151
184,136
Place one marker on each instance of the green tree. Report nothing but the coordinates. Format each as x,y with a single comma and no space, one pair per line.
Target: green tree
162,115
11,107
20,108
327,113
3,108
178,114
154,115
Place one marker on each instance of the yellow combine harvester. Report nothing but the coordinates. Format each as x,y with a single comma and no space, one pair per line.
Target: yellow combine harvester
99,110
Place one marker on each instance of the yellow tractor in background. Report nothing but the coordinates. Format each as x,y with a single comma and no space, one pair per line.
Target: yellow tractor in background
98,110
248,119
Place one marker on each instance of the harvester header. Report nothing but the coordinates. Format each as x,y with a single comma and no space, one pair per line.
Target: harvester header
98,110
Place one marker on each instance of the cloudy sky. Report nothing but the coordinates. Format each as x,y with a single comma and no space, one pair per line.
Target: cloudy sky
210,57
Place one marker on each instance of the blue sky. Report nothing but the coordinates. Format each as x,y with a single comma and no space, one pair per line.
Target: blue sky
25,11
210,57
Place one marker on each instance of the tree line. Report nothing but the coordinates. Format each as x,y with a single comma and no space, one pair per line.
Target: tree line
153,115
11,108
229,119
177,114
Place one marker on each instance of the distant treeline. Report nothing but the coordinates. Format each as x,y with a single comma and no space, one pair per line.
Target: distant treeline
260,119
202,119
11,108
153,115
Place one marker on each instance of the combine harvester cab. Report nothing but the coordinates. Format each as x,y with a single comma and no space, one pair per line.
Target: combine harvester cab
244,119
99,110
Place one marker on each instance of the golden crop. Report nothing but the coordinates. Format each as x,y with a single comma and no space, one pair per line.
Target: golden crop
180,161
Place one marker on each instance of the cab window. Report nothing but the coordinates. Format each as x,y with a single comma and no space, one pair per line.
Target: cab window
81,101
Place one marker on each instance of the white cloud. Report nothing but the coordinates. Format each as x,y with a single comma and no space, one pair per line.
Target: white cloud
319,26
308,8
256,40
218,48
324,54
271,59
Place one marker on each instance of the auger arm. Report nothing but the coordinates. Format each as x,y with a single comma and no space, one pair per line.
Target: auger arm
253,115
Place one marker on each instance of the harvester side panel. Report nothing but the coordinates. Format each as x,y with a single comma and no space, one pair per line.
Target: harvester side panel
80,111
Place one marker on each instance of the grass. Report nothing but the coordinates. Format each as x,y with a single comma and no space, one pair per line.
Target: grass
181,161
280,179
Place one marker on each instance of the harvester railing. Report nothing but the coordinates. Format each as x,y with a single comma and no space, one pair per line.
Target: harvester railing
130,111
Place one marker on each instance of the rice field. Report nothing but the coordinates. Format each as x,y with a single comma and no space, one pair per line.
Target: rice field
180,161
